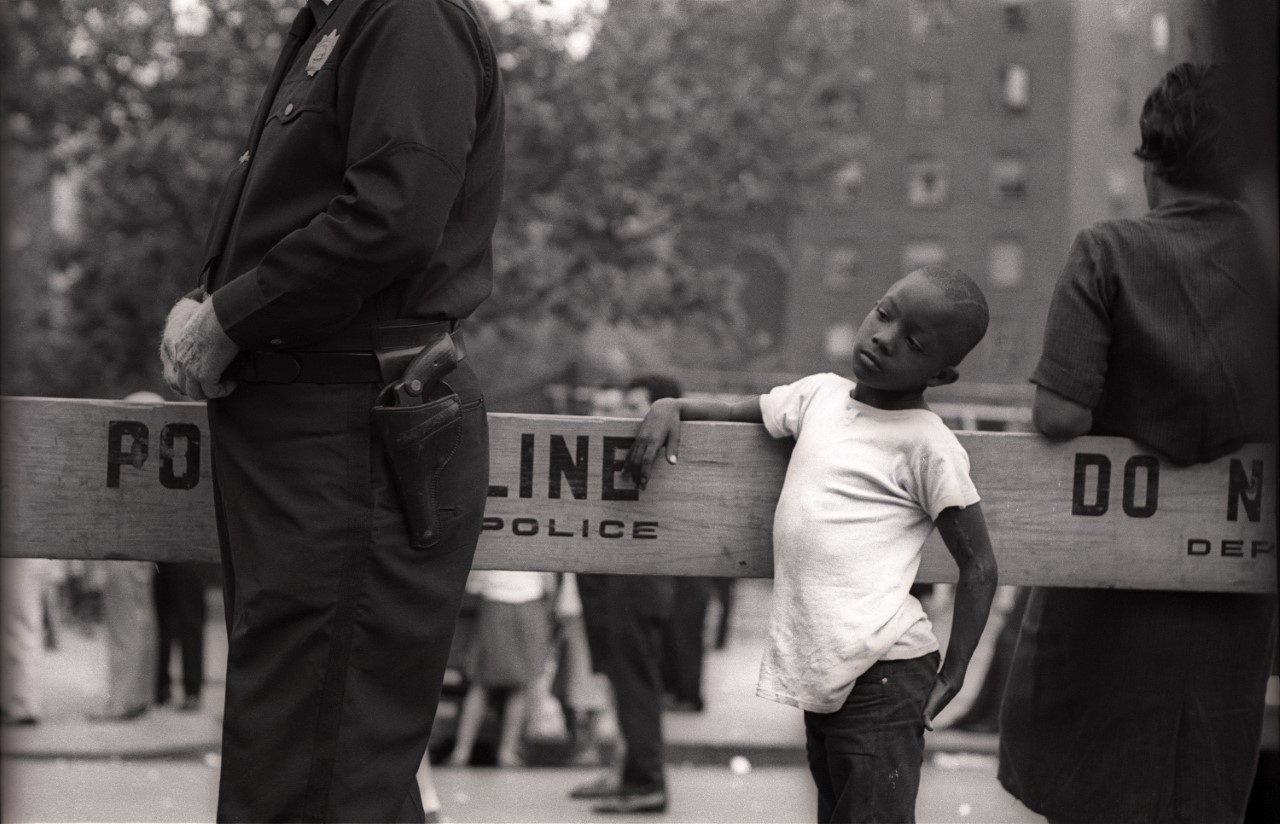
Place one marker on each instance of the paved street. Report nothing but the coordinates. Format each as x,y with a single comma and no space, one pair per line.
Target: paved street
164,766
955,788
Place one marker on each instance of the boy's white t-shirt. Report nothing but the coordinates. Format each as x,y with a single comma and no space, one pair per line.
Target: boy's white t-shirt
862,489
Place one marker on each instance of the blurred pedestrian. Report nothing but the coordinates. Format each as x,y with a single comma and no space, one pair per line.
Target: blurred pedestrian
354,234
21,639
722,589
683,643
1147,705
178,590
128,612
508,653
431,806
625,616
582,692
983,715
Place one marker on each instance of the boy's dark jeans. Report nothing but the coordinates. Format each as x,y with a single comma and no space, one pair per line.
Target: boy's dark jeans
865,757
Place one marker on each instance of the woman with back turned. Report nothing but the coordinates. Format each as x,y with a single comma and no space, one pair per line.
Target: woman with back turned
1147,706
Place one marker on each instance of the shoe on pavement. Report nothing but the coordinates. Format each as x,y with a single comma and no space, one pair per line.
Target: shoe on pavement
20,720
607,785
189,704
653,801
673,704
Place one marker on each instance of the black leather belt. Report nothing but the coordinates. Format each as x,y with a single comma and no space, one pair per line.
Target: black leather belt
267,366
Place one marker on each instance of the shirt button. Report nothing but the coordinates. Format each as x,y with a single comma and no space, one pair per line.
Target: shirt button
277,342
288,109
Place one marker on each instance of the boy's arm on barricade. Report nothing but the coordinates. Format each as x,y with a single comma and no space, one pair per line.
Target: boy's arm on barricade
964,531
660,428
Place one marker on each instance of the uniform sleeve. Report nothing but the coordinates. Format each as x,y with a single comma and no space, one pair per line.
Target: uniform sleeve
408,87
940,473
1077,335
783,407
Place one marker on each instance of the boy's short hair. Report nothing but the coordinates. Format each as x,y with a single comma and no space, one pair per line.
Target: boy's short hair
1181,126
972,314
658,386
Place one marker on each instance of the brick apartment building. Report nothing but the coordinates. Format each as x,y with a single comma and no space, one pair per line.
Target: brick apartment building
991,131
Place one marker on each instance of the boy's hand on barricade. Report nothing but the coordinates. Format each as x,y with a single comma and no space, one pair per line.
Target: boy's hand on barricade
659,430
941,694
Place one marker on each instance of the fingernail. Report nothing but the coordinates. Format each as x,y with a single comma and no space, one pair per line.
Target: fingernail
671,459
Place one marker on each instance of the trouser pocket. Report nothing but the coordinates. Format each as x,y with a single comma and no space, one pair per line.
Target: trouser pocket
420,441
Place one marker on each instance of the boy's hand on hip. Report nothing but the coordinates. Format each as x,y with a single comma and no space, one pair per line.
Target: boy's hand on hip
659,430
941,694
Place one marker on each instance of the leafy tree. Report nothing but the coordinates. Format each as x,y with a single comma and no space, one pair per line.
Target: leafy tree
150,117
645,180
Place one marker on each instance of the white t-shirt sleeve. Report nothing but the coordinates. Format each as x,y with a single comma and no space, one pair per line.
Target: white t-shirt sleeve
783,407
941,470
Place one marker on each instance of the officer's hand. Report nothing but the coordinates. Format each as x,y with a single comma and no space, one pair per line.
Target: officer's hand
200,353
659,430
941,694
179,316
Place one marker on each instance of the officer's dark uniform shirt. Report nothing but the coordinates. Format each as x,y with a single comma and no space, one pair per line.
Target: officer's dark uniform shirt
378,173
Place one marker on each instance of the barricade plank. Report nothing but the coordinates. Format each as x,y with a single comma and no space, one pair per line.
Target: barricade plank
110,479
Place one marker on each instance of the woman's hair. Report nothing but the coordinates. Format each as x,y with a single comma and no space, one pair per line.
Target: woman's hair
1182,129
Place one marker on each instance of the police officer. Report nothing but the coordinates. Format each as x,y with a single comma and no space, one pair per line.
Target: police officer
355,226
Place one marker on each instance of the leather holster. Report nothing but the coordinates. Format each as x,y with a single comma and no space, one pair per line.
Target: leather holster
419,439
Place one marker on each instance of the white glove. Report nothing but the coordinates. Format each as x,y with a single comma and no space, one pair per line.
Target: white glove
195,351
179,316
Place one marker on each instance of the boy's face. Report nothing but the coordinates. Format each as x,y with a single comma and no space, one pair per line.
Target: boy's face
908,341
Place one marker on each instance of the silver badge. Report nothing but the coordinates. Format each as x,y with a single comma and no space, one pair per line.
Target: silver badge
321,52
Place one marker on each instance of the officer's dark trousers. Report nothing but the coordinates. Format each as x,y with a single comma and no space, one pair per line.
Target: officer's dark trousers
339,630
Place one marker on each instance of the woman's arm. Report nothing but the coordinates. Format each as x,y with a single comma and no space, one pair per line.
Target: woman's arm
1059,418
660,428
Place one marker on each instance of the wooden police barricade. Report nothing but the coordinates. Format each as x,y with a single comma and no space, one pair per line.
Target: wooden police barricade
109,479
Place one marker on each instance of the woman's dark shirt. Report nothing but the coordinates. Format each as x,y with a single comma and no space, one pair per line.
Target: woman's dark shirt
1164,326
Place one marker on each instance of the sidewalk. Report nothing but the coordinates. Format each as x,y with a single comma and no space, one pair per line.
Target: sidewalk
734,722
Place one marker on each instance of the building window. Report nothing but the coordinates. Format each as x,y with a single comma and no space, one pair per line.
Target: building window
1160,33
927,183
1008,179
1015,16
841,268
1015,87
926,98
1004,263
1122,12
847,183
841,339
1120,98
856,12
839,105
917,253
932,18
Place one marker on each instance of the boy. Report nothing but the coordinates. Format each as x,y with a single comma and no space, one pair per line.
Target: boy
872,472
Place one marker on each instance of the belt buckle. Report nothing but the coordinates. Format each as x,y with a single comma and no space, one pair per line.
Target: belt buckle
276,367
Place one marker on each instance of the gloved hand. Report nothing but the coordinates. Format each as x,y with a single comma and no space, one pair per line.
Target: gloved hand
195,351
179,316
